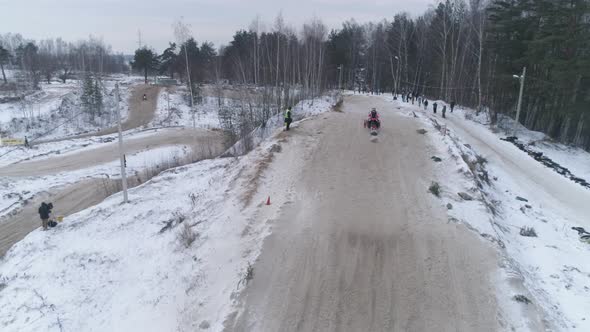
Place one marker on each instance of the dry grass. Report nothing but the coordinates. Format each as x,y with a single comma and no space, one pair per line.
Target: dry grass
528,231
187,235
522,299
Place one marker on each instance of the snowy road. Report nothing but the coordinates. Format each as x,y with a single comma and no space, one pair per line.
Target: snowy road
539,183
364,247
200,140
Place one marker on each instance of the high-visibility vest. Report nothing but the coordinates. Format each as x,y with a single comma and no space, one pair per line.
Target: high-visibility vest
288,114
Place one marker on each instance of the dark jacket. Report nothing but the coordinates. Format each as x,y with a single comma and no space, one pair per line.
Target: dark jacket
288,117
45,210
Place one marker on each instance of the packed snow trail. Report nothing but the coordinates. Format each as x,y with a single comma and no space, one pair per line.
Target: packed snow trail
364,246
201,141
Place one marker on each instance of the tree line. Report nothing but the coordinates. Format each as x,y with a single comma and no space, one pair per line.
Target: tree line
467,51
56,59
470,52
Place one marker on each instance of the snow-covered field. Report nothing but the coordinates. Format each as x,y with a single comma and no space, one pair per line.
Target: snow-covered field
550,268
172,259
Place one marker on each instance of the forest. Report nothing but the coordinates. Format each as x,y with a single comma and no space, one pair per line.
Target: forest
471,52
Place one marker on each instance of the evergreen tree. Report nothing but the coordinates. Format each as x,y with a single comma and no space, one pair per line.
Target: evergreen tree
145,60
4,57
97,98
168,60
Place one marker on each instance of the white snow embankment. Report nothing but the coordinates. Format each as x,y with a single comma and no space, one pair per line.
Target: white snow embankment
550,269
119,267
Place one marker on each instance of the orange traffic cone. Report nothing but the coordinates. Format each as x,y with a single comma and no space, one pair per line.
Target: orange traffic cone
268,201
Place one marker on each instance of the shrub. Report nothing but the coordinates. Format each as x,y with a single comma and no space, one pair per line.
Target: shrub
528,231
187,235
434,189
522,299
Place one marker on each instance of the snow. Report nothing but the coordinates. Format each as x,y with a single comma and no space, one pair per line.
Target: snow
117,267
39,103
53,111
551,269
173,110
303,110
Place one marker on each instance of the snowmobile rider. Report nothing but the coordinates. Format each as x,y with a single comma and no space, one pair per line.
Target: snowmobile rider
144,96
373,118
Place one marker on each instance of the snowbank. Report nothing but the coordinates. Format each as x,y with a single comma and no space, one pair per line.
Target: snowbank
303,110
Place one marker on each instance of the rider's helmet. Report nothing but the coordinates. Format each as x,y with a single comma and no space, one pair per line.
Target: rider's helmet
373,112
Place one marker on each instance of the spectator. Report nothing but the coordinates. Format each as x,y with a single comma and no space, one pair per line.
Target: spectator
288,118
425,104
444,111
434,107
452,105
44,212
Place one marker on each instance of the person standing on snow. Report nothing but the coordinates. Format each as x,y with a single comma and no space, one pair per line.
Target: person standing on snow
44,212
288,118
434,107
444,111
425,104
452,105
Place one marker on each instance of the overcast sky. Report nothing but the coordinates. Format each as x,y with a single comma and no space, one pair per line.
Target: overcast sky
118,21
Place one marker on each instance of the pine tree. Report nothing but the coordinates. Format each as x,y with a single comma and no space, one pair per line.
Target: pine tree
145,60
97,98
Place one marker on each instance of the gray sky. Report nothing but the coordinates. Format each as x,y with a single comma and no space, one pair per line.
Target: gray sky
118,21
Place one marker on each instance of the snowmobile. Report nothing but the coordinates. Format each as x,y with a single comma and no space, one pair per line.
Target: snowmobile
373,122
144,97
373,126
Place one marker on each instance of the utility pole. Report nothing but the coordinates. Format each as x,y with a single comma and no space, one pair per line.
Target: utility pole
139,38
121,154
521,78
340,77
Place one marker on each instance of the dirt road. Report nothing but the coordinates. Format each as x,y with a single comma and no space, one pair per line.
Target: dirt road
203,143
364,247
